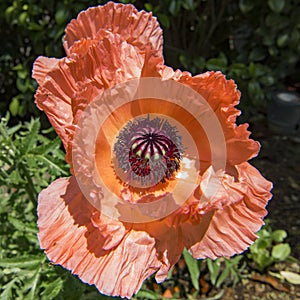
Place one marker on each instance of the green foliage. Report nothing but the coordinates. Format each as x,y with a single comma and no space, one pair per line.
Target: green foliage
269,248
253,42
193,267
199,35
224,269
29,161
30,28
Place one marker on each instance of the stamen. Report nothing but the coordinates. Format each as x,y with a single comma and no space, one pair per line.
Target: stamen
149,150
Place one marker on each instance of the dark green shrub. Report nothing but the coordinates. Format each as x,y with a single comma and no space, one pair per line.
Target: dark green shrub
254,42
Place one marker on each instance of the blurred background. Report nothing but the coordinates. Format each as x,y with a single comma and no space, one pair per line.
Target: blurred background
256,43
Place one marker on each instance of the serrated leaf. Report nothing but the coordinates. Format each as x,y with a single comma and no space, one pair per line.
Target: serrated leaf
193,267
47,147
12,130
51,164
52,289
31,284
22,226
7,290
22,262
291,277
30,139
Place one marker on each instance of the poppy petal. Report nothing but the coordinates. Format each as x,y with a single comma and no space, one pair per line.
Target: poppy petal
138,28
75,238
72,83
54,94
169,245
42,66
222,95
232,228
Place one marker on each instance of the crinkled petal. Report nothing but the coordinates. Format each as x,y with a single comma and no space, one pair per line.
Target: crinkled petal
168,244
138,28
42,66
100,251
55,93
232,228
222,95
70,84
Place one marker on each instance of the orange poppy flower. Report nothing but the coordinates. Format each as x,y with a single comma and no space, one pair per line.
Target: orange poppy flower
157,161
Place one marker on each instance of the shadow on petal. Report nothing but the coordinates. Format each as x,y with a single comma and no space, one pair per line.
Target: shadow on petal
76,236
232,228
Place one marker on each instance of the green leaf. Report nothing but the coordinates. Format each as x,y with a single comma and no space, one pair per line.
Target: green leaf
237,69
173,7
276,5
7,290
214,268
291,277
188,4
34,26
199,62
282,40
22,262
12,130
164,20
184,60
263,243
9,11
257,54
148,6
31,138
279,235
262,259
51,164
246,5
72,288
147,294
281,251
193,267
47,147
22,84
61,16
216,64
222,277
14,106
23,17
32,285
22,227
52,289
268,80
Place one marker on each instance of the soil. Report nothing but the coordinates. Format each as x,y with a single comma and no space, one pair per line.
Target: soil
279,162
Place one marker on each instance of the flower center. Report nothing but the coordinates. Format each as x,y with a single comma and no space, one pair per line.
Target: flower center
148,151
